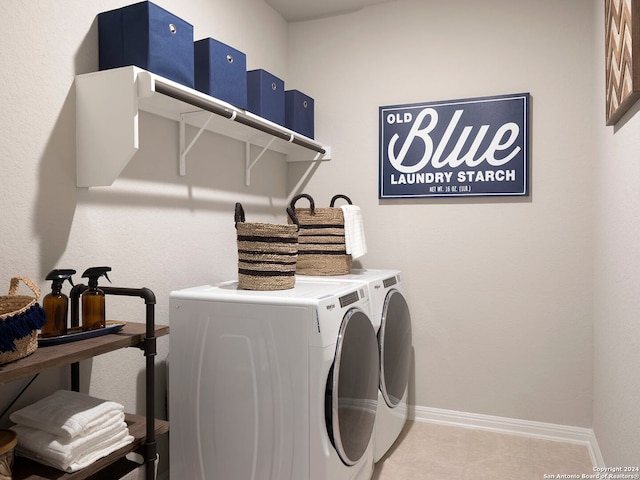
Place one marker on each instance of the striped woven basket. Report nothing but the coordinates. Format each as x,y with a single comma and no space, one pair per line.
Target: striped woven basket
321,248
20,318
267,253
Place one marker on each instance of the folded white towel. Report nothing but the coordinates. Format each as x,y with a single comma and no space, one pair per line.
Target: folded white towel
354,239
102,422
82,461
67,414
71,454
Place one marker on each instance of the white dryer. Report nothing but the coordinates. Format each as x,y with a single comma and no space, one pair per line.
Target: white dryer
391,319
278,385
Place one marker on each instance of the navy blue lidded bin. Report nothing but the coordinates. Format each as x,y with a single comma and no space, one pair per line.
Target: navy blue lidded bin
299,112
265,95
149,37
221,71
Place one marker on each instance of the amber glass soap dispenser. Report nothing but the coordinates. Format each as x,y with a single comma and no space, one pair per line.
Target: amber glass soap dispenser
93,310
56,304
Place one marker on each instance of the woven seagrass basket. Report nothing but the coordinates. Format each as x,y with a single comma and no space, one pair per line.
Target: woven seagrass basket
321,249
8,441
20,318
267,253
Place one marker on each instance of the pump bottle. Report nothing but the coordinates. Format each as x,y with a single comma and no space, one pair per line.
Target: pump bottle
56,304
93,309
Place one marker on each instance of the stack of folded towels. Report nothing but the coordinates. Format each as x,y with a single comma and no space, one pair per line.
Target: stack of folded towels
70,430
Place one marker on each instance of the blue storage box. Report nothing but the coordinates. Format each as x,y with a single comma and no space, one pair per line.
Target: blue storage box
221,71
298,112
149,37
265,95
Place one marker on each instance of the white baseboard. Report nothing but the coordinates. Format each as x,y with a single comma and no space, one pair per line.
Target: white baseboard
594,451
511,426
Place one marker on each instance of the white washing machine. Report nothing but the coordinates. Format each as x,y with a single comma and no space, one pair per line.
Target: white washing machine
391,319
278,385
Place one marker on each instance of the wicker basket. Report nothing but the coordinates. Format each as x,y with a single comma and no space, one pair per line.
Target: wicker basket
20,318
8,441
321,248
267,253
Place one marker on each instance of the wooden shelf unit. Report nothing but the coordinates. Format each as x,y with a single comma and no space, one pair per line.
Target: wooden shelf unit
46,358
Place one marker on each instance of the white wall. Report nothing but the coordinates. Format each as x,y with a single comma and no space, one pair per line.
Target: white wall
616,416
153,227
500,289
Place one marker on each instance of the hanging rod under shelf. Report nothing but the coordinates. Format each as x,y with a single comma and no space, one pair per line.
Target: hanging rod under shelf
184,95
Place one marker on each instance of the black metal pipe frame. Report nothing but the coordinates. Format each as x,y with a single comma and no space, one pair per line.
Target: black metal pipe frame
181,95
150,351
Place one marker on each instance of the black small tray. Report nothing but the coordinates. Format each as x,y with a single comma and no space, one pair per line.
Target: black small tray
76,334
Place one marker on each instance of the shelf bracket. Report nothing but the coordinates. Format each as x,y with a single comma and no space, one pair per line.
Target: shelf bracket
184,148
250,164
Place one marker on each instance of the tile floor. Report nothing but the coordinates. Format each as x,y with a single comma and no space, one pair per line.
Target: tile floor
428,451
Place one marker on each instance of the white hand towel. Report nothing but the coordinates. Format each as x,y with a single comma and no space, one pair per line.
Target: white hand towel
355,242
66,414
71,454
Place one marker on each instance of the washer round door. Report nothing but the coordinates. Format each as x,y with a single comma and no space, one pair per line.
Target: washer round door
395,348
351,398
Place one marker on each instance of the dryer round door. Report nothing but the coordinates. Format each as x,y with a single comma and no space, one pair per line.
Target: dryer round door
395,348
351,397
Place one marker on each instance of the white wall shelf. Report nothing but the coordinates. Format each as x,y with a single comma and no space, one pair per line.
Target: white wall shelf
107,107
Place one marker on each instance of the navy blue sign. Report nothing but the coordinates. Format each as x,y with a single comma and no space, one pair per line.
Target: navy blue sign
469,147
